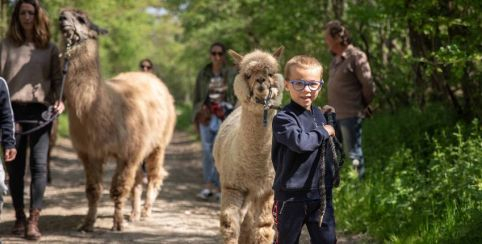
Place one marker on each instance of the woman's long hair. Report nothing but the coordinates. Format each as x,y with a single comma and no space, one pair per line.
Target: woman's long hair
41,31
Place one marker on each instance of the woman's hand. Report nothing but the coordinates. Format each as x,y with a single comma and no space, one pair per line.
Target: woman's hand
59,107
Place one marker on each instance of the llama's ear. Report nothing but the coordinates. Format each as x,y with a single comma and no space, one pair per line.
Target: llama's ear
97,29
236,56
278,52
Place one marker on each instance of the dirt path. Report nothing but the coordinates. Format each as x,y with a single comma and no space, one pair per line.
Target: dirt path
178,217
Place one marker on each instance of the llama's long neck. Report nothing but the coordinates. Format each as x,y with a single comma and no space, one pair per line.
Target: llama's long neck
83,80
252,127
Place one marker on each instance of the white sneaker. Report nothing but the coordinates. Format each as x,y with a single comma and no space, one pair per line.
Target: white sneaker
204,194
217,195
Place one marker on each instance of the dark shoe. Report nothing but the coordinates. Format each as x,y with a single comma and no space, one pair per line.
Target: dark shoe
32,232
20,222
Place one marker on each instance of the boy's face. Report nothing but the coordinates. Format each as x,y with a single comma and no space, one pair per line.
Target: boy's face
306,96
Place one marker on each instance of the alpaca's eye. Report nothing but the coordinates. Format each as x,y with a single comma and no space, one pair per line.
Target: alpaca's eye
270,74
247,77
81,19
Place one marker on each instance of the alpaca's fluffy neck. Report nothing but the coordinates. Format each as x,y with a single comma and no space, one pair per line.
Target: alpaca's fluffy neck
83,80
252,127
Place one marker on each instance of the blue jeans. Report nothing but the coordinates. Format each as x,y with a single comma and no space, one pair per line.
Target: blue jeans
349,132
38,142
208,134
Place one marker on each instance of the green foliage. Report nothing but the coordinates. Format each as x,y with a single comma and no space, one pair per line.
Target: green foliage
423,183
63,129
184,117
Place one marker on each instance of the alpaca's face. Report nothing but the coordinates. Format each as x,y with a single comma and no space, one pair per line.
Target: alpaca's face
258,80
259,77
76,27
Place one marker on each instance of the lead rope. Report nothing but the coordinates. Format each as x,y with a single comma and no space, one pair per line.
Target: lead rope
321,184
49,115
338,157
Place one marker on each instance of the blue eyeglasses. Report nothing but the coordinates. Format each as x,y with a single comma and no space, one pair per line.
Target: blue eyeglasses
299,85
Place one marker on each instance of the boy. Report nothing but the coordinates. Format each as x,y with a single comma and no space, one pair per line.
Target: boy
8,138
303,170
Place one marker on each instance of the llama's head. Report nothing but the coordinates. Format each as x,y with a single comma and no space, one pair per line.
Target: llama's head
258,80
76,27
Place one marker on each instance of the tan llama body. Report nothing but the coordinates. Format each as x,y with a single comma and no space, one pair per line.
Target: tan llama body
130,118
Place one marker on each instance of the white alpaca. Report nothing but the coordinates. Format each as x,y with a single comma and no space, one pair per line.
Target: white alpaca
242,151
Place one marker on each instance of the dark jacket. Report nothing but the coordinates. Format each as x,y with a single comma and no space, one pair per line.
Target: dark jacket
6,117
298,135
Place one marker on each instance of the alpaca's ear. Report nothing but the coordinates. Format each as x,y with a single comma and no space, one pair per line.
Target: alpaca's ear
241,89
97,29
278,52
236,56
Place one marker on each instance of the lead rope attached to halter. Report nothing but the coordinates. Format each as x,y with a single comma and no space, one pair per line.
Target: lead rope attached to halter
49,115
267,106
338,157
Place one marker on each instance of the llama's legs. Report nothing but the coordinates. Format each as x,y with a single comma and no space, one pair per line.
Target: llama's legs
136,196
93,189
263,223
246,232
155,175
122,183
233,210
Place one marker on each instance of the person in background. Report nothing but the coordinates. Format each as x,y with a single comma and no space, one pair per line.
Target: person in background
350,91
213,100
146,65
30,64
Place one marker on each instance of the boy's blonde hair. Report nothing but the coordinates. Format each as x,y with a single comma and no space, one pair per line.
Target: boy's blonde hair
304,62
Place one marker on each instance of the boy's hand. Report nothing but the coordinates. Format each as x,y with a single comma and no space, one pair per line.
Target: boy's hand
10,154
328,109
330,130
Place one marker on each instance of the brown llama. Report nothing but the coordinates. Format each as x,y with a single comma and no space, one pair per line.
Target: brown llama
129,118
242,151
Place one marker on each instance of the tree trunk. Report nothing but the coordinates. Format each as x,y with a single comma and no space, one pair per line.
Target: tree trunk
338,8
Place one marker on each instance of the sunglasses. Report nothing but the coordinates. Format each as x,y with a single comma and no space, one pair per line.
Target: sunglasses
217,53
299,85
146,66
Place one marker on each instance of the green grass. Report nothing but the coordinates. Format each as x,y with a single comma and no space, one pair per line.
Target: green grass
423,182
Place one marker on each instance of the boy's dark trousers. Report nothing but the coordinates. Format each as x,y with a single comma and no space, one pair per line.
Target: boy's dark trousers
291,215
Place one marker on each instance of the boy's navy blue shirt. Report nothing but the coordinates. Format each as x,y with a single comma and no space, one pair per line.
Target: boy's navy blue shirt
297,138
6,117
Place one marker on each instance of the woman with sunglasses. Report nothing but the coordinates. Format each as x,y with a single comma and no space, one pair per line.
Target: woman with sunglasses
30,64
213,99
146,65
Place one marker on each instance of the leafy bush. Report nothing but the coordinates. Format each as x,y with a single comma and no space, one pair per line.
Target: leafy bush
63,130
423,182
